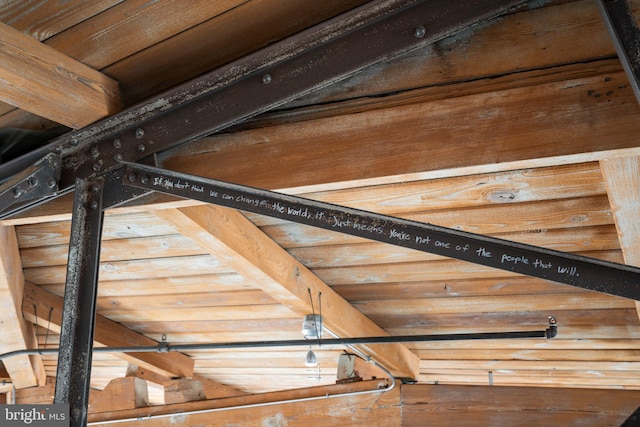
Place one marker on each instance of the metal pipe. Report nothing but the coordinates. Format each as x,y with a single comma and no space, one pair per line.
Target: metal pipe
164,347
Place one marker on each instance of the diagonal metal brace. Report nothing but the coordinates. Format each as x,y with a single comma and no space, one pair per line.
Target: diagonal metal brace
584,272
35,182
625,34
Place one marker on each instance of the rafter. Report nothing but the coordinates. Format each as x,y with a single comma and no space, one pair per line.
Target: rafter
622,180
46,308
41,80
25,371
232,238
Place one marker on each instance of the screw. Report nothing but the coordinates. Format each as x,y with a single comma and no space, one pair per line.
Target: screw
131,176
17,192
93,205
117,143
118,157
141,148
266,79
97,167
94,189
33,181
145,179
51,183
420,32
139,133
74,142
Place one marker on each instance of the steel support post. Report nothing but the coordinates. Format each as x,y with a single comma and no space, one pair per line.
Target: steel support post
78,317
588,273
625,34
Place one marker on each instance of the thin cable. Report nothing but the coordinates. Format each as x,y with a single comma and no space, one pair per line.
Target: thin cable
46,337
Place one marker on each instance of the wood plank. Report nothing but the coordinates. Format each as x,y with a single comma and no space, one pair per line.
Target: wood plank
431,270
444,405
17,334
127,226
216,42
622,178
135,269
478,304
534,38
382,409
120,393
582,210
46,309
42,395
43,19
31,71
566,240
116,250
108,38
231,237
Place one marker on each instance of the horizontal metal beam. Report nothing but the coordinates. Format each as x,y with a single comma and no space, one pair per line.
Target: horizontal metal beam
584,272
322,55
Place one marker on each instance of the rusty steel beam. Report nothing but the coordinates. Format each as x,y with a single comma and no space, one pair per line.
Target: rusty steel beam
588,273
79,311
322,55
625,34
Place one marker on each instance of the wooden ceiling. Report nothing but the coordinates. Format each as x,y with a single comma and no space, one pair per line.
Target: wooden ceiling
525,129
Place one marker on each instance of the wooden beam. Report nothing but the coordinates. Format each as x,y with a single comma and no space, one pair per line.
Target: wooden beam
39,79
42,395
622,179
232,238
120,393
46,309
25,371
379,409
443,405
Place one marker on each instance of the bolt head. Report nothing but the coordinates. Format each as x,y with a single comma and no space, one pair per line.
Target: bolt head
93,205
420,32
51,183
266,79
117,143
33,182
96,167
17,192
132,176
145,179
141,148
139,133
118,157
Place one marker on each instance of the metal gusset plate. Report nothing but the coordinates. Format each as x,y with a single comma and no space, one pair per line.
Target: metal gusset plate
34,183
588,273
625,34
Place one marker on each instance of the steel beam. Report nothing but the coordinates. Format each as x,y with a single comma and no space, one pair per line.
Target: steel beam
78,317
633,420
625,34
588,273
322,55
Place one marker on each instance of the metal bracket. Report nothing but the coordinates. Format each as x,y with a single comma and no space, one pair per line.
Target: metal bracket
588,273
34,183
